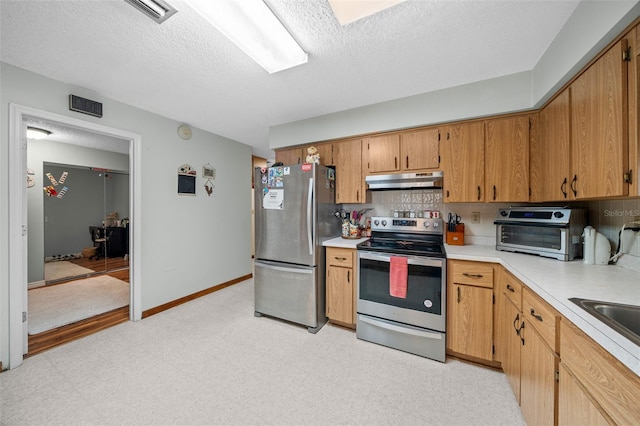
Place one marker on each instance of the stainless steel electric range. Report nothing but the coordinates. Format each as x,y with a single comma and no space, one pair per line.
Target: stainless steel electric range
402,286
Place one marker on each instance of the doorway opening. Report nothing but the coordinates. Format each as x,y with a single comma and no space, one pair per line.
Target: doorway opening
21,227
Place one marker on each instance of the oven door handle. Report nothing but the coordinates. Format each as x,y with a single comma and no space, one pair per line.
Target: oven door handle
399,329
412,260
537,224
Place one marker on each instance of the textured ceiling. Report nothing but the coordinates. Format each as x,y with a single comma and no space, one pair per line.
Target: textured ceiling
184,69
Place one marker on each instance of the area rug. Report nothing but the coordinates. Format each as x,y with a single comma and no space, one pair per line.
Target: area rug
63,269
62,304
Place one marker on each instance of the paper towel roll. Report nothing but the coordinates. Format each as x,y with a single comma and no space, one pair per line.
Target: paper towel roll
589,251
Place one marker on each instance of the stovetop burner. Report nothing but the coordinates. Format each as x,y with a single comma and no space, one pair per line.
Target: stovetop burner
417,237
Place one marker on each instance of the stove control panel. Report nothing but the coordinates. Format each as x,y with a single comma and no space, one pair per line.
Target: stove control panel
417,225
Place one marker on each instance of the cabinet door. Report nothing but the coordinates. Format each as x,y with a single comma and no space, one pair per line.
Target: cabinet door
289,156
326,154
462,150
507,159
510,343
383,153
340,294
599,142
419,150
574,406
550,175
537,380
470,321
349,181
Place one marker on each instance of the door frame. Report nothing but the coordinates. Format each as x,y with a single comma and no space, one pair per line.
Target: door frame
18,339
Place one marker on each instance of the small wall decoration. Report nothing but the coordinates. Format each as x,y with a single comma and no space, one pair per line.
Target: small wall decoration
186,180
209,173
31,180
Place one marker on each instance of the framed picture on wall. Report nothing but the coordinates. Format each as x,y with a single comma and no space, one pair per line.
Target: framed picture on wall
208,172
186,180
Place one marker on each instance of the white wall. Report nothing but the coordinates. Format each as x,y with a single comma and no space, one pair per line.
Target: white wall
592,25
189,243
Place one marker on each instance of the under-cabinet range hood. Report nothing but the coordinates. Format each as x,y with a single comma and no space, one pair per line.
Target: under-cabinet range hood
427,180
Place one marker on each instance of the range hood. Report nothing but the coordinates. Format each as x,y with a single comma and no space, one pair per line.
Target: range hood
427,180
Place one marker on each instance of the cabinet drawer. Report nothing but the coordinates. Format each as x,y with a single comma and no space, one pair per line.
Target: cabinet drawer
471,273
541,316
340,257
511,287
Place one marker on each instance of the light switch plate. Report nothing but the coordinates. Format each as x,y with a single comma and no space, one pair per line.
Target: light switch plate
475,217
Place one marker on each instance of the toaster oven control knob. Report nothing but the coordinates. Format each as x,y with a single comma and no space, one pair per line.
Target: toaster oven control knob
558,215
426,224
503,213
376,222
384,223
436,224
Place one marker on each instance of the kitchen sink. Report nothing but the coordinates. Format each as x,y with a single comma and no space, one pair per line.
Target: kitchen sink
625,319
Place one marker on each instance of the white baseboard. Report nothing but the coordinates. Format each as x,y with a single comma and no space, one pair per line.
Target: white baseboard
35,284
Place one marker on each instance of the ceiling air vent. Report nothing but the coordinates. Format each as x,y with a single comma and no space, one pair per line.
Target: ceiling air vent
157,10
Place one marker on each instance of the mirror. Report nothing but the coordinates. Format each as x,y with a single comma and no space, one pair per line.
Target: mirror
85,221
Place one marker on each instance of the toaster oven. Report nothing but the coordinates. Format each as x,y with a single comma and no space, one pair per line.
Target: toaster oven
553,232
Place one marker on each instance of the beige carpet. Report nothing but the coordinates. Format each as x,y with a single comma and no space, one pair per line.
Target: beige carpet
63,269
58,305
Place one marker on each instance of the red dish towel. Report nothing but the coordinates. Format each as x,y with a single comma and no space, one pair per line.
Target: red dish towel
398,277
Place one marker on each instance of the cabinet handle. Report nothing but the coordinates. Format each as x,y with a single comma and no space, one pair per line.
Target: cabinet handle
494,192
447,193
511,289
521,334
515,324
395,162
340,258
466,274
478,192
573,187
536,316
407,161
563,187
349,276
458,294
358,195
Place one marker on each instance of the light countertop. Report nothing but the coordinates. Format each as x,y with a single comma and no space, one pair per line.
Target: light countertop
556,282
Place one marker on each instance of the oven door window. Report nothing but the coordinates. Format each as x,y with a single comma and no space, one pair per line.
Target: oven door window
424,284
532,236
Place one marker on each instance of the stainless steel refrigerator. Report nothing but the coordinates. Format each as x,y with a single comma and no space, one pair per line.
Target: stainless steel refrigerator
294,214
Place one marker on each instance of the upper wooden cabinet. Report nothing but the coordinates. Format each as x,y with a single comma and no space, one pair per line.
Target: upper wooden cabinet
399,152
420,150
462,148
551,152
599,129
350,186
326,153
382,153
507,159
289,156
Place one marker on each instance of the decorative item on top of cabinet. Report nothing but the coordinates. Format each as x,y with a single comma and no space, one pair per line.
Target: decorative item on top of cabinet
350,185
341,286
599,132
507,159
610,386
470,310
462,151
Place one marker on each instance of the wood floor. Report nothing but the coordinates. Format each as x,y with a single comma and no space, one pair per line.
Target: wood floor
115,267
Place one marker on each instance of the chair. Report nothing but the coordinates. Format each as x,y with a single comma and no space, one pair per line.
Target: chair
99,241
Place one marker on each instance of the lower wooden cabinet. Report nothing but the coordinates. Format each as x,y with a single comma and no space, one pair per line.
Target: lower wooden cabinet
340,286
470,309
574,406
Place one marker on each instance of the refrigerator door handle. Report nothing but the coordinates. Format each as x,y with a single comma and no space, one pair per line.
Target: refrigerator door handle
310,216
275,267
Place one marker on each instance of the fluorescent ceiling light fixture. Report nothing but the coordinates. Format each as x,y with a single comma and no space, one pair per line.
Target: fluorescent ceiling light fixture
348,11
253,27
36,133
158,10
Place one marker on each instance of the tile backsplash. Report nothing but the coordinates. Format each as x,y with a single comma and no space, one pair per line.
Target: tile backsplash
606,216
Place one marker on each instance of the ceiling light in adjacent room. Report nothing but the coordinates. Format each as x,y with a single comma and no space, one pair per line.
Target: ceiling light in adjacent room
36,133
158,10
348,11
253,27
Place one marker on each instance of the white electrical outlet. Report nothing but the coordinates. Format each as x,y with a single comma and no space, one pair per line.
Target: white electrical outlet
475,217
